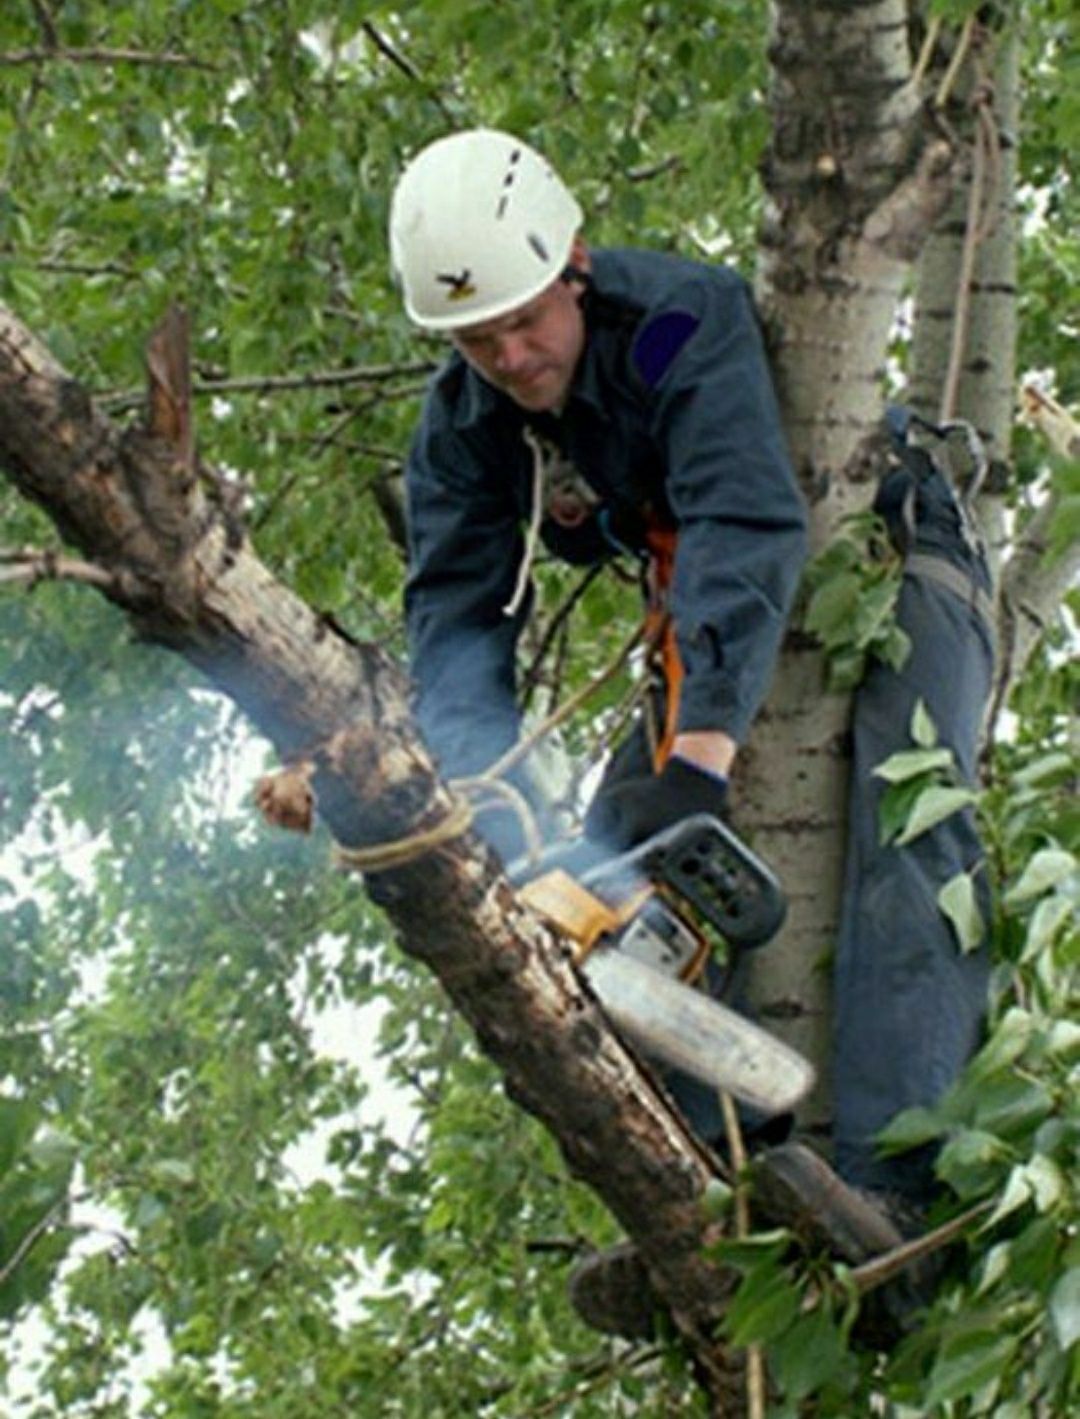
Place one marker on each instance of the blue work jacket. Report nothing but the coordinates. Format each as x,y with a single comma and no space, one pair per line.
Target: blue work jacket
672,417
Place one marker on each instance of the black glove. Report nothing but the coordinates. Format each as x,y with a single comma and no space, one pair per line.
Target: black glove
633,810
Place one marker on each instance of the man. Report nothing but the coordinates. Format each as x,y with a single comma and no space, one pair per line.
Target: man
601,399
606,402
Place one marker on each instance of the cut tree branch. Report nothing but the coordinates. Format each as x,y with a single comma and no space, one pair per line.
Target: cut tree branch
120,496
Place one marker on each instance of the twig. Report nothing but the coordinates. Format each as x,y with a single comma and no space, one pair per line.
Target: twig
65,268
532,674
36,1232
47,23
672,163
270,384
392,457
388,51
31,565
565,710
604,1370
955,64
879,1269
13,57
933,29
755,1359
1060,428
404,64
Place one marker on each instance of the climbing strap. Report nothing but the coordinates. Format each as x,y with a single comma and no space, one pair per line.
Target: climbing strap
659,635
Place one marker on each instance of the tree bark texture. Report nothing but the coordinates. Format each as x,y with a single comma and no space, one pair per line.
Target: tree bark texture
865,176
855,179
1030,584
190,582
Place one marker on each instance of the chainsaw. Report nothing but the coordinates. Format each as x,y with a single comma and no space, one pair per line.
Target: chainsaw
647,923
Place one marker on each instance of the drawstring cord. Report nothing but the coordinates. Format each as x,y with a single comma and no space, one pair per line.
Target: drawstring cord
532,536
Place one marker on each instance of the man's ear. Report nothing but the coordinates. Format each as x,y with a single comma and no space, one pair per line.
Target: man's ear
580,258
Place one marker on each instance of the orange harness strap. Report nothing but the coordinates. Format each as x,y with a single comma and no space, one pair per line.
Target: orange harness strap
660,633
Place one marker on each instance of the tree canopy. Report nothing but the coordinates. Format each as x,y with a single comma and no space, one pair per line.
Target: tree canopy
251,1162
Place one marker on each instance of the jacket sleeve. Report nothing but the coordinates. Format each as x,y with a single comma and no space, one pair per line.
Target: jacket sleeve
740,516
464,548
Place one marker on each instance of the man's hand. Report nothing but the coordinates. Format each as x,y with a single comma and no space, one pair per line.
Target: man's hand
634,810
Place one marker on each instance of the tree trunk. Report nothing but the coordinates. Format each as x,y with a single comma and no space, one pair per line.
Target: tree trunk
854,181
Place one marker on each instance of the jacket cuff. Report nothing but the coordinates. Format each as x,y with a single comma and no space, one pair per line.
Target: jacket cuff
712,702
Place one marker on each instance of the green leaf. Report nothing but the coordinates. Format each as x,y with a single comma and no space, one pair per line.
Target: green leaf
896,804
910,1129
910,763
717,1199
18,1119
832,607
174,1170
1010,1038
932,807
808,1354
1017,1194
1048,1186
764,1305
1065,1308
995,1264
1045,870
923,729
1046,766
966,1364
969,1161
958,901
748,1251
1049,916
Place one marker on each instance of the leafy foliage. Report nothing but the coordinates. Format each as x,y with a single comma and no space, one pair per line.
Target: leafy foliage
852,587
999,1335
205,1208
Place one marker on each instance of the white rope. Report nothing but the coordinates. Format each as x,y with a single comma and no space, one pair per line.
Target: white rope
532,536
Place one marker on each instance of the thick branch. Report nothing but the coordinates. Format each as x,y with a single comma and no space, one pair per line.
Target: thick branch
343,706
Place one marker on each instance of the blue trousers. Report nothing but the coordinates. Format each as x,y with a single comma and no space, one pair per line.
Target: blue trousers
909,1004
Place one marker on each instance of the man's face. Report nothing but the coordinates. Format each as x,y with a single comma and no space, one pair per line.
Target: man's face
530,353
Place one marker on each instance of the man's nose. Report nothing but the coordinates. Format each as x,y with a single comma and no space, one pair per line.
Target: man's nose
510,354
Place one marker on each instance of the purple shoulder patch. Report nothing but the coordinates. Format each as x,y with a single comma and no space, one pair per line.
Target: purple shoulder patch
659,341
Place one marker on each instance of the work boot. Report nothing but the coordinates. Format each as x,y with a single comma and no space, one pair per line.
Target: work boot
612,1293
794,1187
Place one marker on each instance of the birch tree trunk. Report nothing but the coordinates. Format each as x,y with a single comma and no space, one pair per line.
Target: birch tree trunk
855,179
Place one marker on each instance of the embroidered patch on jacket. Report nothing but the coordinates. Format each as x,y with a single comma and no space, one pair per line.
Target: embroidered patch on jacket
659,341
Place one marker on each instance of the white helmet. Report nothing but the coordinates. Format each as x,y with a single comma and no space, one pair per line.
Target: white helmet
479,224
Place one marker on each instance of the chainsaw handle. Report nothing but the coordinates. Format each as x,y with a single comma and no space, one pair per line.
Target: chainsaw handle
707,864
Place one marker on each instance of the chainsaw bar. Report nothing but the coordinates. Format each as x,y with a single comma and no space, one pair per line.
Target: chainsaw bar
688,1030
